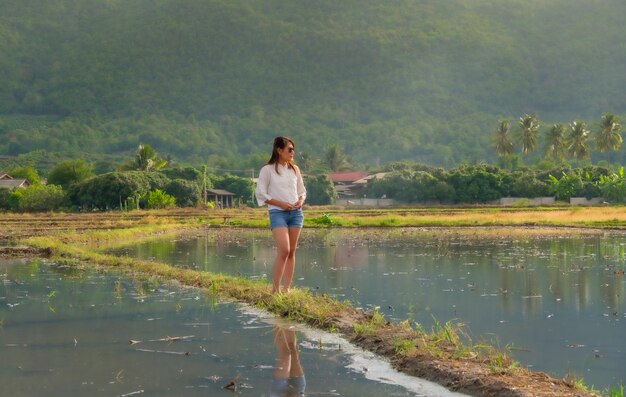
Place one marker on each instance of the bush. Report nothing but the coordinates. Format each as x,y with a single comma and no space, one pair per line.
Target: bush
526,184
187,193
476,184
158,199
39,198
5,199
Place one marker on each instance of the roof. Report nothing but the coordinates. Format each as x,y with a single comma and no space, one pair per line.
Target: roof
4,175
13,183
363,181
349,177
220,192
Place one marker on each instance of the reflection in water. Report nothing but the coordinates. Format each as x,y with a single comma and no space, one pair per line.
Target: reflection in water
77,332
541,294
288,379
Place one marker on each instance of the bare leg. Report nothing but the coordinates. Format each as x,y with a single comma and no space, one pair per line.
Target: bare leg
295,369
281,238
283,359
290,264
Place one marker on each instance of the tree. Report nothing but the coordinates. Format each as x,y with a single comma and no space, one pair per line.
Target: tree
25,172
68,172
187,193
146,159
529,125
504,144
320,190
112,190
609,135
578,145
555,142
335,158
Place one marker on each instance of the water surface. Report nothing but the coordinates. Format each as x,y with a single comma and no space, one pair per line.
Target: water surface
558,301
72,332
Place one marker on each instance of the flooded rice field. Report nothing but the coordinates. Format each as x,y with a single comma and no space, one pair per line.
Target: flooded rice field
73,332
556,300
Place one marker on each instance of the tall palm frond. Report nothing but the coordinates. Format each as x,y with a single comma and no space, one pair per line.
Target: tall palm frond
555,142
504,144
609,136
335,158
578,140
529,125
146,159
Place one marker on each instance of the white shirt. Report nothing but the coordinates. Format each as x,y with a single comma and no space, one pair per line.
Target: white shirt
286,186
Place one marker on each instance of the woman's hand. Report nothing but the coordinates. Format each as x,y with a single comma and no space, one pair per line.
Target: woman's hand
298,204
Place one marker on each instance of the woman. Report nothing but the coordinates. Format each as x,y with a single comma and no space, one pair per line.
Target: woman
281,188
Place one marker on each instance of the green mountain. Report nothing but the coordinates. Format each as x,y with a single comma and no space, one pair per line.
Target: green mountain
215,80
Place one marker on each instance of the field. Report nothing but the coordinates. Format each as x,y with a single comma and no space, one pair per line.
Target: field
441,355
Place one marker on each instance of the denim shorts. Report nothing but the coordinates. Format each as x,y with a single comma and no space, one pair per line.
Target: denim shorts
280,218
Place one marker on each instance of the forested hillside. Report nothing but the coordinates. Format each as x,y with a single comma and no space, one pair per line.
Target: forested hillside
214,80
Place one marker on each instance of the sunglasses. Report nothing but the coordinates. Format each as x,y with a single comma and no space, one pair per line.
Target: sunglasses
291,150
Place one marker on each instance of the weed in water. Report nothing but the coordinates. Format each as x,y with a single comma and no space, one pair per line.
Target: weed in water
615,391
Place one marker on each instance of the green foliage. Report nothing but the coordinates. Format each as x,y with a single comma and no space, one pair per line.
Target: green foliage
524,183
324,220
613,186
615,391
68,172
146,159
528,125
242,187
160,199
187,193
5,199
111,190
25,172
320,190
563,188
187,173
414,80
38,198
476,184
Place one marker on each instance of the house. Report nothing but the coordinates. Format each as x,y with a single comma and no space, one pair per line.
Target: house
221,198
344,182
13,183
4,176
349,187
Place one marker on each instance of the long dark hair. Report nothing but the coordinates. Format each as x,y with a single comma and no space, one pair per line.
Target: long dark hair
279,143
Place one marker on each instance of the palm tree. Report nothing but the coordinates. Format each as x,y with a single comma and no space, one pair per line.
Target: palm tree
528,133
305,161
504,145
555,142
609,136
578,145
335,159
146,159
